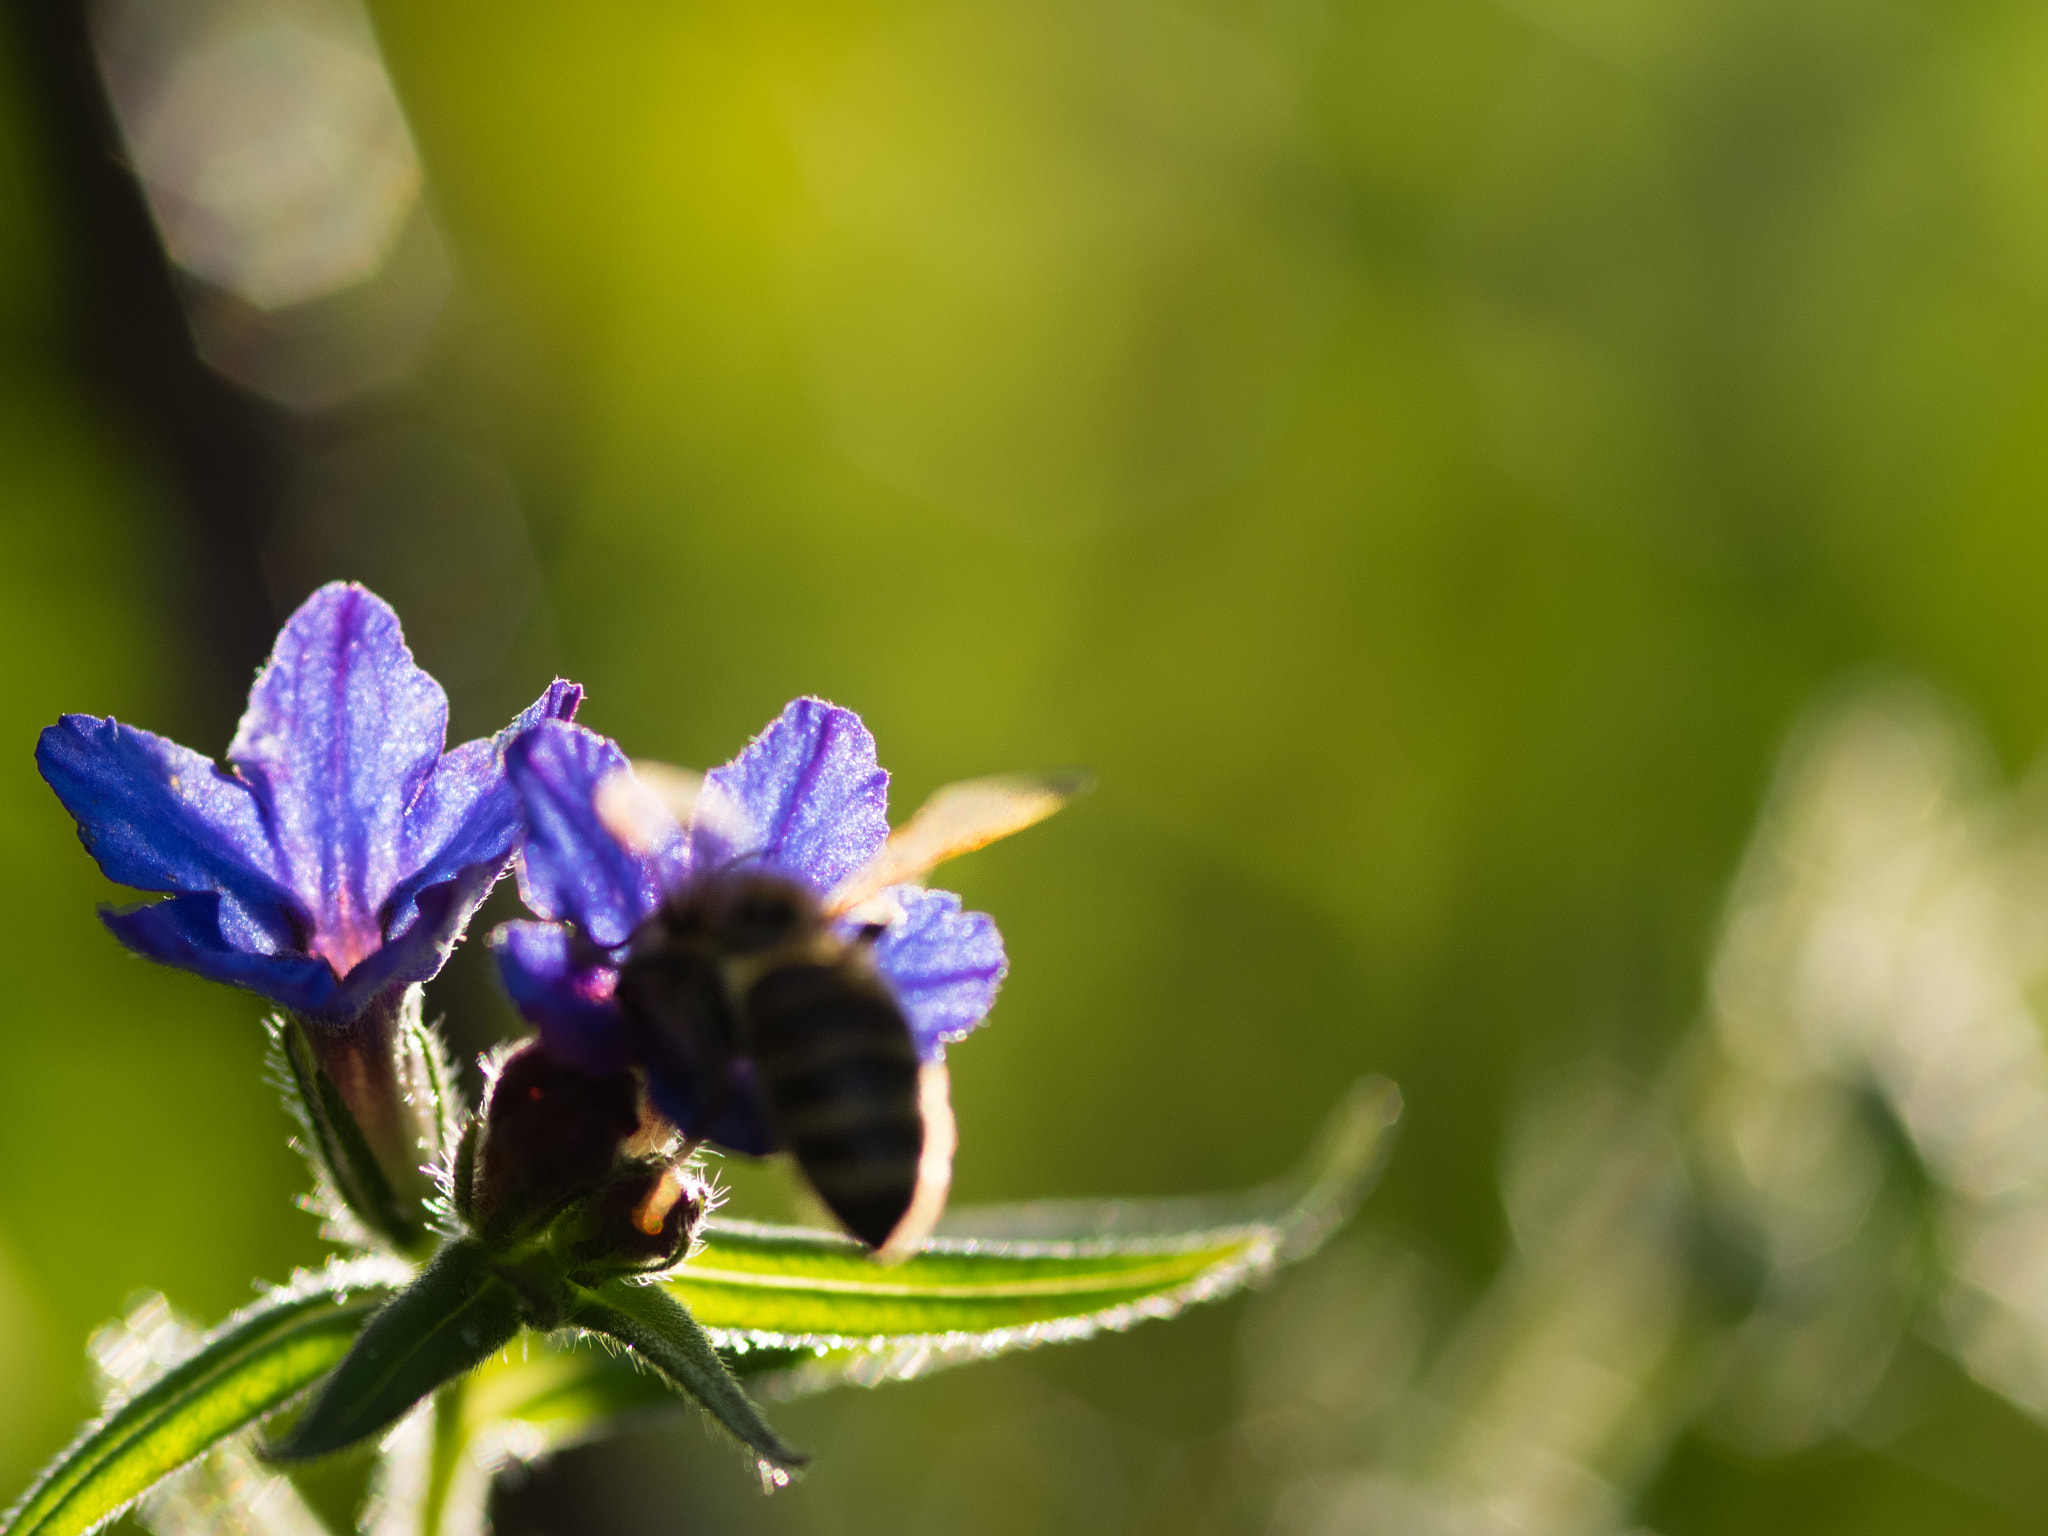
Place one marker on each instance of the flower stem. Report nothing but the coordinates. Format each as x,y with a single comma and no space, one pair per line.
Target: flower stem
445,1461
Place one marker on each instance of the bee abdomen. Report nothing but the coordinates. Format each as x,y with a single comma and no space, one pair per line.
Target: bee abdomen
840,1070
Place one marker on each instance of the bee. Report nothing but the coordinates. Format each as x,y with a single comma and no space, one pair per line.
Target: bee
743,973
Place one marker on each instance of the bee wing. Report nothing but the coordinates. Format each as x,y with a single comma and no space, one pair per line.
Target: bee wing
957,819
934,1166
644,804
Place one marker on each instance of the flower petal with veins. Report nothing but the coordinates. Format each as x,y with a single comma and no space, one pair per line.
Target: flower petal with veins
341,843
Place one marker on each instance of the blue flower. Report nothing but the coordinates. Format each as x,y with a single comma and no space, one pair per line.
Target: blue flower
805,800
338,858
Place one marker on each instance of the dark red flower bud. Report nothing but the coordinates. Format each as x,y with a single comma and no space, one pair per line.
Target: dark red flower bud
550,1135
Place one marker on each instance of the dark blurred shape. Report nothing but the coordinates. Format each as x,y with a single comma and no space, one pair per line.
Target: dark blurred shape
227,454
428,525
280,173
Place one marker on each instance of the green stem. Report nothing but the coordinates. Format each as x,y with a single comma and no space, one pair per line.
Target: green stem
450,1448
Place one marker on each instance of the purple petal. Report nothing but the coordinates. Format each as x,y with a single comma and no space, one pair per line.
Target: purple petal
198,933
572,868
563,994
160,817
807,795
468,818
341,734
943,964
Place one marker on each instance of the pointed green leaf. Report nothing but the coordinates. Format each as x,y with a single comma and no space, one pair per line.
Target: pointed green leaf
1004,1279
458,1313
260,1358
661,1333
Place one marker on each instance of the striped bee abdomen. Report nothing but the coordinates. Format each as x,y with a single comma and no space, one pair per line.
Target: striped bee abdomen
839,1070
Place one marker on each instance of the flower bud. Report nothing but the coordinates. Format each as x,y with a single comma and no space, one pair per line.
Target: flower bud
642,1220
550,1135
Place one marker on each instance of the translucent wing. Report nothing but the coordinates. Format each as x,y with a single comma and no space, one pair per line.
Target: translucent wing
643,805
934,1166
959,819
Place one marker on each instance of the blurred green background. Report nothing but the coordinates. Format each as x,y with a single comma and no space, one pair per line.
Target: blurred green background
1423,454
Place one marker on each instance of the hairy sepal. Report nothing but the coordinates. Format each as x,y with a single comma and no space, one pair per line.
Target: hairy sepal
459,1312
663,1336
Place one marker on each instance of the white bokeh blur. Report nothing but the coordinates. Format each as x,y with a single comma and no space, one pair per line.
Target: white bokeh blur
277,165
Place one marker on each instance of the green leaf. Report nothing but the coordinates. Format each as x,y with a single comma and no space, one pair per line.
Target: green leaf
260,1358
1107,1263
1011,1278
662,1333
457,1314
802,1311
